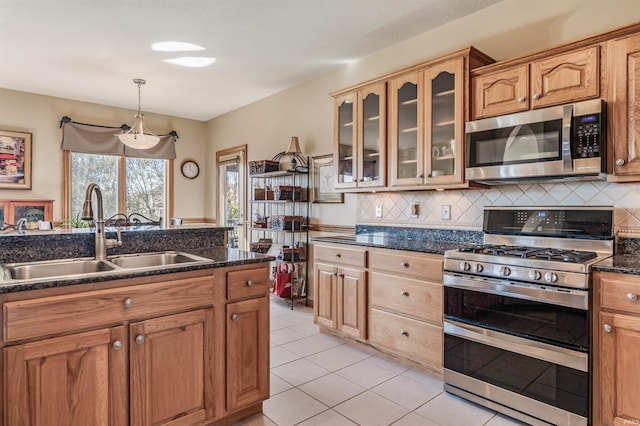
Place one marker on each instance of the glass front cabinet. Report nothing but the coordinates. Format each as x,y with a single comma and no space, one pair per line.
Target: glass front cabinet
360,138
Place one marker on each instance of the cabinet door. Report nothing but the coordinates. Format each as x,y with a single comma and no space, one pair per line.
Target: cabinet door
566,78
171,369
625,120
406,130
619,372
247,352
351,302
372,136
78,379
445,122
325,301
501,92
345,150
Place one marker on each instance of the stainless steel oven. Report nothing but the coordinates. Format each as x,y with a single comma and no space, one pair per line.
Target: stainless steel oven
516,326
562,142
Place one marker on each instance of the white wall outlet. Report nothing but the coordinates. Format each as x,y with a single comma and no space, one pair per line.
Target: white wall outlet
414,210
379,210
446,212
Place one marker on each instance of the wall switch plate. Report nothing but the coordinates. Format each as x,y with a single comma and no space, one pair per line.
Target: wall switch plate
414,210
446,212
379,210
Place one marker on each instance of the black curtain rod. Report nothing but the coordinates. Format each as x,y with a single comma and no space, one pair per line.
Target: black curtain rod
124,127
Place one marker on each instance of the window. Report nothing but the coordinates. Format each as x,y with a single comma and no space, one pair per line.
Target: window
128,185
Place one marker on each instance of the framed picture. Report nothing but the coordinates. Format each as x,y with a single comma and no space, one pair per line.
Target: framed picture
323,176
15,160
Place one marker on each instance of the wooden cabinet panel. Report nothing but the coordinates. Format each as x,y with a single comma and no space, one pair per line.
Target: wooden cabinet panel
620,294
325,303
247,352
71,312
345,137
372,136
171,366
339,254
351,304
32,210
566,78
71,380
248,283
501,92
426,267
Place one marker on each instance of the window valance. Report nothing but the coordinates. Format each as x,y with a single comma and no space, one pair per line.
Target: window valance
95,139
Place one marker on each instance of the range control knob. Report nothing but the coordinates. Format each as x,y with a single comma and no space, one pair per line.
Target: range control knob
505,270
550,277
464,266
535,275
477,268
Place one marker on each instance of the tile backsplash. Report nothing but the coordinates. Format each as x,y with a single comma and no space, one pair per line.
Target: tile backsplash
467,205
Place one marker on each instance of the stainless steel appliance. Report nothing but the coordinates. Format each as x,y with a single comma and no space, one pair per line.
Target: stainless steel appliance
516,312
563,142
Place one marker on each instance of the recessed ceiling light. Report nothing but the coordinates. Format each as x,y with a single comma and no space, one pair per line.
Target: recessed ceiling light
175,46
191,61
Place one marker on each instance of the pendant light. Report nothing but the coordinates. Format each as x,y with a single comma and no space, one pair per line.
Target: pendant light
137,136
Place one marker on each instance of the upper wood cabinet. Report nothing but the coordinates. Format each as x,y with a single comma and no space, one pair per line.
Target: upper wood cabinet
564,78
360,138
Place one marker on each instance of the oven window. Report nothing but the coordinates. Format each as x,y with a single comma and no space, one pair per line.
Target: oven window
527,143
543,381
553,324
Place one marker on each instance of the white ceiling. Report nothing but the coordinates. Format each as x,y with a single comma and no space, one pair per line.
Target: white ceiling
90,50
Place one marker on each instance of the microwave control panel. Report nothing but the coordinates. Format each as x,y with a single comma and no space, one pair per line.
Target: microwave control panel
587,131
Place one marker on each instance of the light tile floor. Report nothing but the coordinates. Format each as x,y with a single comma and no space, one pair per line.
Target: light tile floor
321,380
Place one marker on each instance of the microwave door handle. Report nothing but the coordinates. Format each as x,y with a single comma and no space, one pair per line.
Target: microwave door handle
567,161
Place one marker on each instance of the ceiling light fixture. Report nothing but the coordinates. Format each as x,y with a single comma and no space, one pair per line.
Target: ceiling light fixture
175,46
191,61
136,137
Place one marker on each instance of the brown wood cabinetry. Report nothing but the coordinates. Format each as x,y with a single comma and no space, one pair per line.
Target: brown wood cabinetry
617,349
564,78
11,211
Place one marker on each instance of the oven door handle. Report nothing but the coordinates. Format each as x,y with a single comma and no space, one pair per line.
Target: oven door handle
507,342
567,116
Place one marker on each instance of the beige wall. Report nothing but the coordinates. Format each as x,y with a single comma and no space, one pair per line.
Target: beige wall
507,29
40,115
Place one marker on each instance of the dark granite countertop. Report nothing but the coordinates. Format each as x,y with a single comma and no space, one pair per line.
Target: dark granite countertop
215,257
620,263
386,241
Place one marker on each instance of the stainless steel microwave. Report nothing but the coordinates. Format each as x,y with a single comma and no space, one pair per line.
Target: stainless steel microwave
565,142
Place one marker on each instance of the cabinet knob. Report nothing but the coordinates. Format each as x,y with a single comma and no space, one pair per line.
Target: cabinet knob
249,283
521,99
127,303
235,317
404,333
117,345
337,255
607,328
632,296
419,176
619,162
404,264
404,293
139,339
536,96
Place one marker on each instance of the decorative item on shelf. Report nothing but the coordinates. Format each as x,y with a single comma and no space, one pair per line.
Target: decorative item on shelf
261,221
265,193
287,223
135,136
298,162
263,166
288,192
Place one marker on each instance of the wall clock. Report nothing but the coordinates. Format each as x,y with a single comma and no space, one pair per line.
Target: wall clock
190,169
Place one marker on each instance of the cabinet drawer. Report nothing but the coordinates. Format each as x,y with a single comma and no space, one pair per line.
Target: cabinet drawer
43,316
248,283
620,294
407,296
426,267
338,254
416,340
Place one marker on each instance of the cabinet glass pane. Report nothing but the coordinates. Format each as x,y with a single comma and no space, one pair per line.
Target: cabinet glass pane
346,143
407,131
371,137
443,124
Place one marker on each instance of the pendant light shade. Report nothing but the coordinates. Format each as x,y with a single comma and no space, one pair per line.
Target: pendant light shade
137,136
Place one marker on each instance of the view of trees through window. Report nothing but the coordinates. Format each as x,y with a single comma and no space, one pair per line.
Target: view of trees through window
144,186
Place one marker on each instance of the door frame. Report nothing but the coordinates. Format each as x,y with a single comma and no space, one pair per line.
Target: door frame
221,156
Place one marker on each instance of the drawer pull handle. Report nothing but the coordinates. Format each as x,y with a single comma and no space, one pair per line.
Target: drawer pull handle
337,255
632,296
127,303
404,264
235,317
607,328
249,283
404,333
139,339
117,345
404,293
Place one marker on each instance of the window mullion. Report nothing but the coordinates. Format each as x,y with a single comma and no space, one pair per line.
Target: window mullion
122,179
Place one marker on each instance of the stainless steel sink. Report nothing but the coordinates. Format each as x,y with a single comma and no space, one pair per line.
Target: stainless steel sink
149,260
54,268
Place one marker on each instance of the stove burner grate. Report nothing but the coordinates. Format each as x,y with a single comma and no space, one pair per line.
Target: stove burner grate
558,255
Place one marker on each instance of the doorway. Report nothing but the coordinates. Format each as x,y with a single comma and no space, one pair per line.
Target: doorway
231,200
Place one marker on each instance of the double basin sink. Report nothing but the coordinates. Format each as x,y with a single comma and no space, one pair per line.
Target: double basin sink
61,268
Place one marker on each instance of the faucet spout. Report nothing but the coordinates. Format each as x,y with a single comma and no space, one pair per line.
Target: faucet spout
102,243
